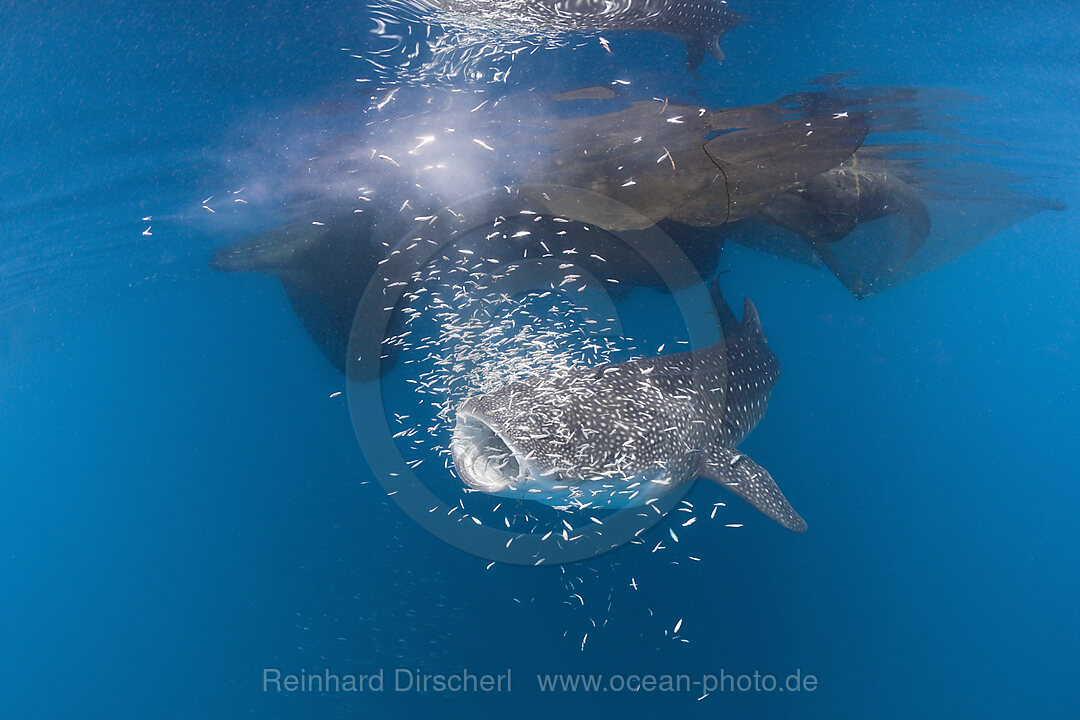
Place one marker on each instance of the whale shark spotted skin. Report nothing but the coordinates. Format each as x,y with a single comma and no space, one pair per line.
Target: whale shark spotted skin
620,434
698,23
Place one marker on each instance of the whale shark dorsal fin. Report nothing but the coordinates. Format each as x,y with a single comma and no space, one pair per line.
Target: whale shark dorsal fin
744,477
751,323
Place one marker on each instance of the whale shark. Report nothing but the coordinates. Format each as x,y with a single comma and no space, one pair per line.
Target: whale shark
622,434
698,23
806,178
407,178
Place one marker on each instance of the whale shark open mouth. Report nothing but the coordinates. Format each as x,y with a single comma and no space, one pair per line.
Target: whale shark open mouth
483,458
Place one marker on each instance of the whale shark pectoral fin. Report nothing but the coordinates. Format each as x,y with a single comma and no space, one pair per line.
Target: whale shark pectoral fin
744,477
698,44
714,49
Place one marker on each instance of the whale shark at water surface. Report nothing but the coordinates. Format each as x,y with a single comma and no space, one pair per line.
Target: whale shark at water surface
698,23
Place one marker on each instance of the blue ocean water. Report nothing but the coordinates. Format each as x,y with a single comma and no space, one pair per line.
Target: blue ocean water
184,505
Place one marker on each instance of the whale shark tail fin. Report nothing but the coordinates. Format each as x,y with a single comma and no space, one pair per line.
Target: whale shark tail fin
751,323
753,483
728,322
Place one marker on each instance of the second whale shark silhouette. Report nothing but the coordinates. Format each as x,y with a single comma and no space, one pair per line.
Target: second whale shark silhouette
799,178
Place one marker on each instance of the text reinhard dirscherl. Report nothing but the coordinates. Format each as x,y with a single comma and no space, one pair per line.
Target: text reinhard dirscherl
465,680
399,680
